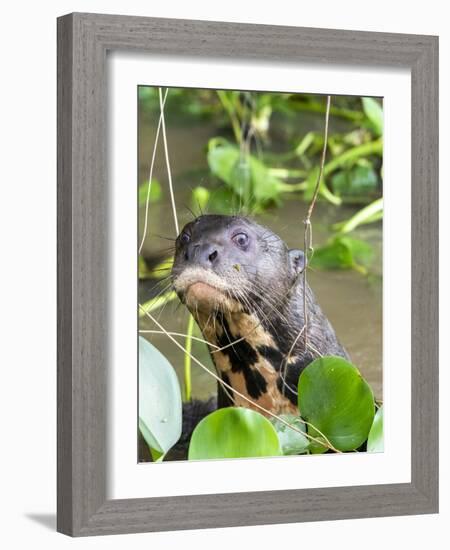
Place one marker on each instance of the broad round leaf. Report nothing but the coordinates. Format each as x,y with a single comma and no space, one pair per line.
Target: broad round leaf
160,406
247,177
375,441
342,252
336,400
292,442
234,432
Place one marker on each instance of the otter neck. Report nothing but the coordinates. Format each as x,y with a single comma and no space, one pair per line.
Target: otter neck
248,359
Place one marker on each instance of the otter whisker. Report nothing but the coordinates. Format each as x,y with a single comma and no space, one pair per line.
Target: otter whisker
165,282
181,335
190,210
266,301
164,237
275,300
164,286
162,309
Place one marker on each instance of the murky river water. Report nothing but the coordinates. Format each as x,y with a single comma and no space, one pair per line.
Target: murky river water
352,302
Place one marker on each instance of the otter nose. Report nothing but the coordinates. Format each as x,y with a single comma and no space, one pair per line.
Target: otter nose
205,254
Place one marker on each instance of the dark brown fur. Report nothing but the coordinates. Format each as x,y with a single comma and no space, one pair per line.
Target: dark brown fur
244,288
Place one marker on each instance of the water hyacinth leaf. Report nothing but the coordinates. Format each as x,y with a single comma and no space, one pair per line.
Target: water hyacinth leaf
334,398
362,252
343,252
360,181
223,200
222,159
155,192
374,113
234,432
292,442
247,176
265,187
333,255
160,406
375,441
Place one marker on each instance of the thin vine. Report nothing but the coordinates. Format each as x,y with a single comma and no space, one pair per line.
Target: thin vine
307,236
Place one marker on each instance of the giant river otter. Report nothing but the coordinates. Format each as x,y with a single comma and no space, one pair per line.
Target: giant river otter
244,288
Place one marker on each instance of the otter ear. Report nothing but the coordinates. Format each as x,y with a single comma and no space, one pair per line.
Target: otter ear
297,260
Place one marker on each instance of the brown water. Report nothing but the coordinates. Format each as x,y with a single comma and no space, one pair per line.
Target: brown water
352,302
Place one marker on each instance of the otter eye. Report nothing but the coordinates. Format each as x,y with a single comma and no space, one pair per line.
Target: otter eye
185,238
241,239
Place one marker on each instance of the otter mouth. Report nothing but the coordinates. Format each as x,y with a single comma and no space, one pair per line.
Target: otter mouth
204,290
203,293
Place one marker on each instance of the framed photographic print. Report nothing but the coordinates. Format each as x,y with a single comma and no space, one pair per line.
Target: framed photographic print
247,274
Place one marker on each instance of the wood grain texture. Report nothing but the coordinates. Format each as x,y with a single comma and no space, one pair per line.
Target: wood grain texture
83,41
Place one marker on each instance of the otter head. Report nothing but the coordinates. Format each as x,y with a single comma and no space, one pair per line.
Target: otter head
232,264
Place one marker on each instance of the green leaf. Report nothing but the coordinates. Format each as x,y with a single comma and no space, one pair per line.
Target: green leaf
360,181
155,192
375,441
374,112
292,442
222,158
234,432
200,198
335,399
265,186
144,272
223,200
343,252
162,269
160,407
362,252
246,175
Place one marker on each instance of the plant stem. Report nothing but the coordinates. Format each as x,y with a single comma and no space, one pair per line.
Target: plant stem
371,213
166,154
307,237
156,303
316,107
187,359
292,187
150,176
373,147
229,108
285,173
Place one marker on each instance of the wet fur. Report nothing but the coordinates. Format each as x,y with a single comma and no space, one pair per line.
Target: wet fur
258,310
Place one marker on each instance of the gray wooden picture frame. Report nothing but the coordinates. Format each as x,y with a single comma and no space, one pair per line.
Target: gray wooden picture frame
83,42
